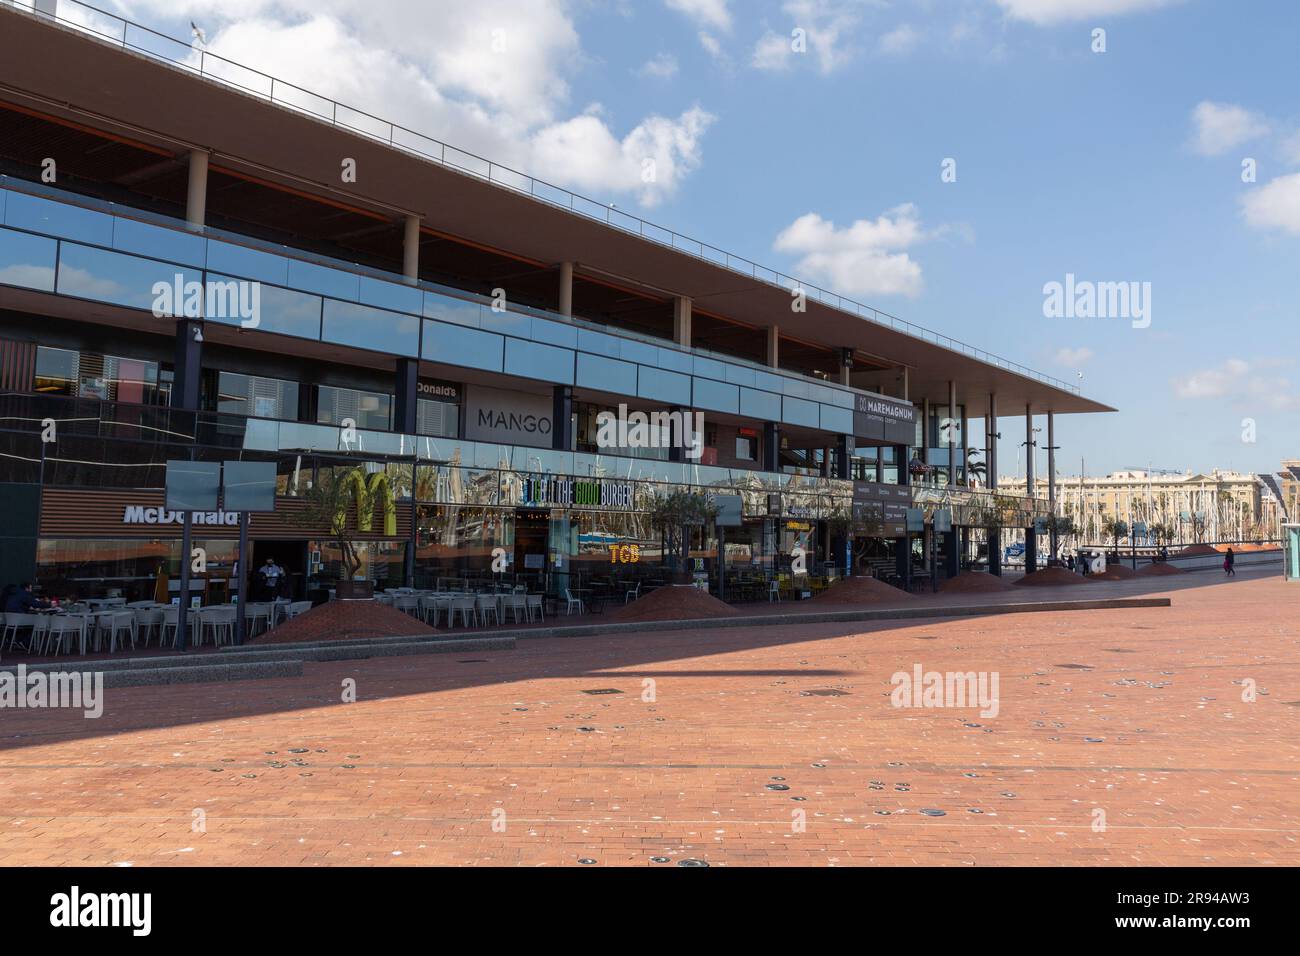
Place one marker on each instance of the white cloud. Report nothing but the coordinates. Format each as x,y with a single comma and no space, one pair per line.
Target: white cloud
772,52
899,41
662,66
1242,382
657,154
827,24
1044,12
1275,205
490,77
1073,358
1224,126
865,258
706,13
711,45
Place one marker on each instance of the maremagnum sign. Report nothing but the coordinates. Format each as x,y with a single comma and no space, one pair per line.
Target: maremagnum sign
877,418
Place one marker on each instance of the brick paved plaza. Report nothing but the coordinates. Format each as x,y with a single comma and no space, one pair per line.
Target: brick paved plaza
501,758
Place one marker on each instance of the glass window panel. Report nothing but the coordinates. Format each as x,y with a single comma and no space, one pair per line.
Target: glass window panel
335,283
228,258
440,419
58,219
367,328
279,310
118,278
451,309
255,396
390,295
131,235
372,410
27,261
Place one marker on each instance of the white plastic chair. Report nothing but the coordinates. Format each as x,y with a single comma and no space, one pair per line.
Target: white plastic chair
430,609
296,608
633,594
168,621
13,623
255,613
486,604
464,606
516,605
573,602
533,602
62,628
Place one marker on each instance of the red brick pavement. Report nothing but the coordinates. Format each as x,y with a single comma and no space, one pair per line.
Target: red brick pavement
436,749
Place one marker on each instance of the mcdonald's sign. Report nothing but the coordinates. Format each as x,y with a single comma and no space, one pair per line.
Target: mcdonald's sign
366,493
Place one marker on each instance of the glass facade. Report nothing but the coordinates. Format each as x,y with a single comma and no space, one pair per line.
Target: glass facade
254,396
363,409
90,375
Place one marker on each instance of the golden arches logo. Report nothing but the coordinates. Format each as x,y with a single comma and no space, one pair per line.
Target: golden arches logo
366,493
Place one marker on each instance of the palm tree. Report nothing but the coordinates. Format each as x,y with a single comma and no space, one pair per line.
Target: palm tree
1114,529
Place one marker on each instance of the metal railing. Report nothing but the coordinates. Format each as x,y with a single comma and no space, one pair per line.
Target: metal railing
137,38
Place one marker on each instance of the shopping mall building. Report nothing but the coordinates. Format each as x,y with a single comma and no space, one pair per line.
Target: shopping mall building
198,261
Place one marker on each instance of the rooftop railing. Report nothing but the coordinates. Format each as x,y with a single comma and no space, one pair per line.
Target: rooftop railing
137,38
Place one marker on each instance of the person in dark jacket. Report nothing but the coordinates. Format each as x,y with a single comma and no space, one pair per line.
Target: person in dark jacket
1229,562
23,601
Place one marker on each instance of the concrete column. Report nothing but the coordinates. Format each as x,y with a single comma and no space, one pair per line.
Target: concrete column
406,387
186,378
952,433
880,463
682,321
991,451
1031,539
991,464
844,448
562,418
771,446
965,445
196,196
566,289
906,383
773,347
846,366
1051,482
925,430
411,250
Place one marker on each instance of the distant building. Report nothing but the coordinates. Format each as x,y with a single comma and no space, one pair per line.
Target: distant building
1203,506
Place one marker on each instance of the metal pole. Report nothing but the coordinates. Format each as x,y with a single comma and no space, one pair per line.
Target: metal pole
241,609
182,617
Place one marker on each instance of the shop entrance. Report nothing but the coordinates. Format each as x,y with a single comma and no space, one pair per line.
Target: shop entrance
291,556
532,531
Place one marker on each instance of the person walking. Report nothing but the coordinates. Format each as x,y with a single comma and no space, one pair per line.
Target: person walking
1229,562
271,575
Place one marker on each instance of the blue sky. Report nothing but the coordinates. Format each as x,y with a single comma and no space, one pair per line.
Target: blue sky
1116,166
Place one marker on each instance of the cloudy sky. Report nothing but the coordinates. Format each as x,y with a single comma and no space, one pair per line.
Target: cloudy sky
942,160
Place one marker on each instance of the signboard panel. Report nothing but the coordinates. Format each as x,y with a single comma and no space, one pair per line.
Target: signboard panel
193,485
512,418
249,486
891,421
729,510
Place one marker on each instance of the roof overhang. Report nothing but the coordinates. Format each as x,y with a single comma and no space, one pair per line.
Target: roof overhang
70,75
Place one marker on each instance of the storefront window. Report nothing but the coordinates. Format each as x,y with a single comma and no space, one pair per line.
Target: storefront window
439,419
91,375
256,397
383,562
74,568
369,410
456,540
